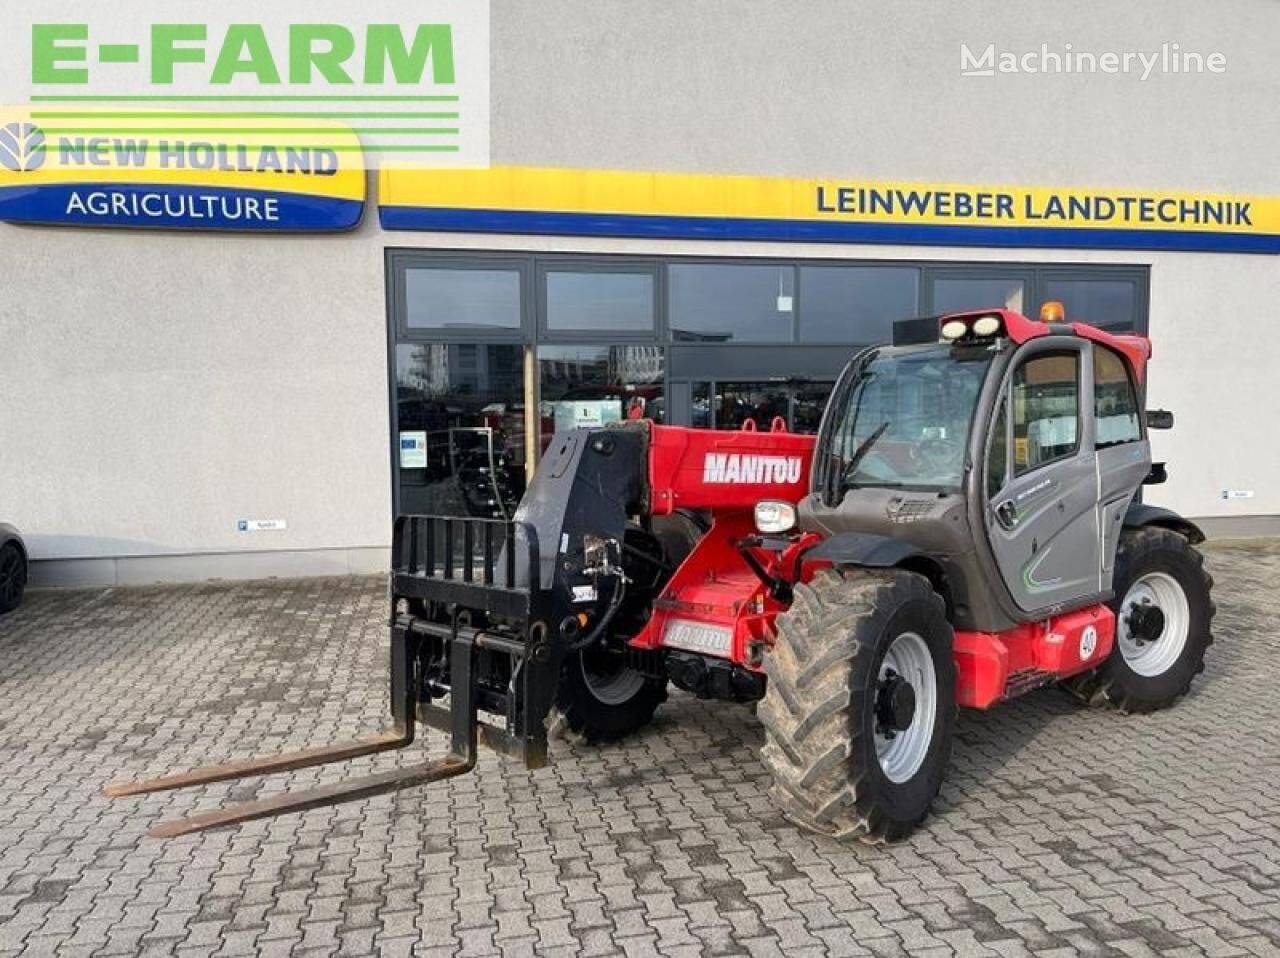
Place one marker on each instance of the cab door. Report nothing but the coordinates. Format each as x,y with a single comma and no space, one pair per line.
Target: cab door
1042,479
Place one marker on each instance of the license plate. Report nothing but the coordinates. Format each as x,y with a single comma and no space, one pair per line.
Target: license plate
698,637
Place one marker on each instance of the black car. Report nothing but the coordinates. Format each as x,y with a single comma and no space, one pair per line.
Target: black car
13,568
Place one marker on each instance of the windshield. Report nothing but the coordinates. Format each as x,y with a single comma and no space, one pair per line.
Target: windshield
905,420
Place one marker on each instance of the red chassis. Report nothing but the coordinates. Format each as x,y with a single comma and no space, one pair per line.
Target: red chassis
716,604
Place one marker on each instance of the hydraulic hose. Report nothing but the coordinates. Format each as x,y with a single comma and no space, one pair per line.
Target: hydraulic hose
615,602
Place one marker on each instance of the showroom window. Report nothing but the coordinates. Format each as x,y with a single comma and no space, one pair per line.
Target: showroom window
843,304
595,385
614,302
1111,302
460,422
731,303
487,348
978,289
462,299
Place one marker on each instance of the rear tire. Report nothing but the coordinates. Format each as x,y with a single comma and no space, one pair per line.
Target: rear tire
829,706
13,576
600,700
1154,568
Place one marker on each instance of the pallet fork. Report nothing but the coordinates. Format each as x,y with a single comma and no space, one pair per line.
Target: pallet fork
447,574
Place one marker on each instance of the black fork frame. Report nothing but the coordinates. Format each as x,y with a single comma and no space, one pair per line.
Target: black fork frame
445,563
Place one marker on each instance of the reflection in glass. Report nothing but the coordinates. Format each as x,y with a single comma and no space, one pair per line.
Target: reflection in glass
855,304
1109,303
720,302
616,302
955,294
459,299
585,386
761,402
460,421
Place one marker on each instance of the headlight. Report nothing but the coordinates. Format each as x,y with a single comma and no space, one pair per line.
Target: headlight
954,329
773,516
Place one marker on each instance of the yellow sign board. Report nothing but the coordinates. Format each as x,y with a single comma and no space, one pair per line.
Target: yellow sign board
702,206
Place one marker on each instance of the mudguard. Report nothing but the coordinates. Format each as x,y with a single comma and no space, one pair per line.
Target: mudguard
864,549
1140,514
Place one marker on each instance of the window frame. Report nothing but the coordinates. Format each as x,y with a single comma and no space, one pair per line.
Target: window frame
1138,276
985,271
769,261
802,265
400,262
634,265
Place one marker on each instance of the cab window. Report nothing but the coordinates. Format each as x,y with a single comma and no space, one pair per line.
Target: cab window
998,452
1046,410
1115,401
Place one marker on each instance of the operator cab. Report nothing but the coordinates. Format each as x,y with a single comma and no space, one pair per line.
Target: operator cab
984,450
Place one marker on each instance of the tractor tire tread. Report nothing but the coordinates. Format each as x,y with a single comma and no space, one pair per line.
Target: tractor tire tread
812,748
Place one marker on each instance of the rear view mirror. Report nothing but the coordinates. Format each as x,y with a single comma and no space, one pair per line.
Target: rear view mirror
1159,419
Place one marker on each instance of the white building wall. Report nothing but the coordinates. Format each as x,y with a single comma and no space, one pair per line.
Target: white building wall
156,388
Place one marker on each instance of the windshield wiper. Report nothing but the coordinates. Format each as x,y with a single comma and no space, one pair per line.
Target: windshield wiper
864,447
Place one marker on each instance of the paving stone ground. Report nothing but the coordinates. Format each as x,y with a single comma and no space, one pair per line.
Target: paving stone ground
1060,830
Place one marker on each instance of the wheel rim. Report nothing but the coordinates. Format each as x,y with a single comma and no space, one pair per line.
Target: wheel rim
1146,653
609,681
902,750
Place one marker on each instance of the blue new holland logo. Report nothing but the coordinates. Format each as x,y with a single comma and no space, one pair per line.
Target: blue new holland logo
21,147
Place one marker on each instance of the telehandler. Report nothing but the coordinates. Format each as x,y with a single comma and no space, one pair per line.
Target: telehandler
964,528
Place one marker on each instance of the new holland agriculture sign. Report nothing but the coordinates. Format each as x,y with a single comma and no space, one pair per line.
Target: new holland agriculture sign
238,115
261,178
695,206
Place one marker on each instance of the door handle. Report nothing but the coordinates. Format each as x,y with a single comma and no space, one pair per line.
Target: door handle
1007,514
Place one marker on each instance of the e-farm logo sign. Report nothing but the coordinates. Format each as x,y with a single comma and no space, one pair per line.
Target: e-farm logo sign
410,80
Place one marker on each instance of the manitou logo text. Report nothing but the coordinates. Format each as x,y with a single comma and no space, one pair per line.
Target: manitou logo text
734,468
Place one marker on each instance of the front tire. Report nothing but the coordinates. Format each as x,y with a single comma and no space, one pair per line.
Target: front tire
852,752
1164,611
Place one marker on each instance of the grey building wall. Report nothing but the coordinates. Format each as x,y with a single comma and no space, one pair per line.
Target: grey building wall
155,388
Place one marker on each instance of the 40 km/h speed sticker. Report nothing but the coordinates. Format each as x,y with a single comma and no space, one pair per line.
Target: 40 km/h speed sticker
1088,642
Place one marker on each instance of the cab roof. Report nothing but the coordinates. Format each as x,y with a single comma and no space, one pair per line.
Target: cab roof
1018,328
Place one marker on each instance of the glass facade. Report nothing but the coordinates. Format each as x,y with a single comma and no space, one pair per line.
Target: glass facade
460,424
489,346
731,302
621,302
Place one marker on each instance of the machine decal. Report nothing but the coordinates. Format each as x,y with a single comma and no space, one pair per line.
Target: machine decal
1088,643
730,468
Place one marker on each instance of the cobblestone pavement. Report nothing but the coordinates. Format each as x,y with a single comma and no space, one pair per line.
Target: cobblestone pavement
1059,831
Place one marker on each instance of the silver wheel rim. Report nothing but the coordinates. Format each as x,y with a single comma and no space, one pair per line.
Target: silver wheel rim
1152,657
901,753
611,688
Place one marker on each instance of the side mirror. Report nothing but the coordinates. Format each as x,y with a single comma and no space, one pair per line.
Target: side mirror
1159,419
1157,475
